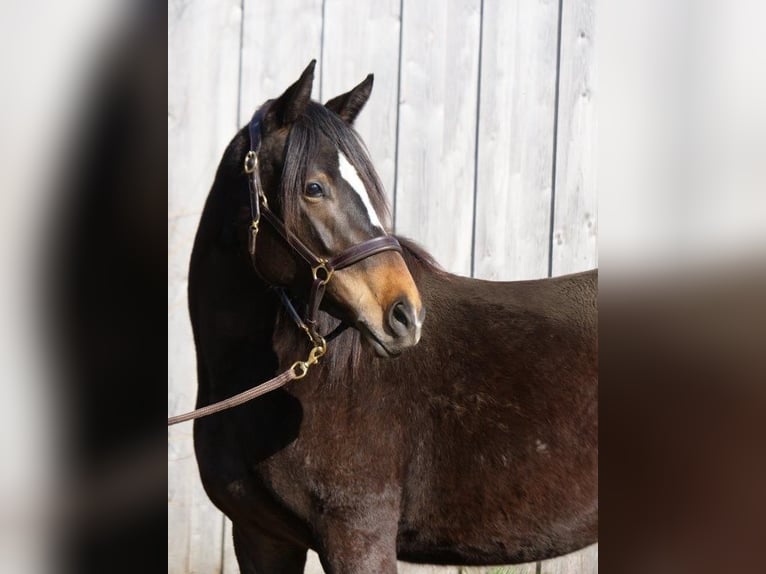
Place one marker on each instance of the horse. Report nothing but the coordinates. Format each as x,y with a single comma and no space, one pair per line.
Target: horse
451,421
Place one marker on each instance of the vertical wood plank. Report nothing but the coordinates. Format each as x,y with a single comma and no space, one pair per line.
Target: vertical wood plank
279,39
313,565
574,246
575,210
362,37
582,562
230,565
407,568
516,123
203,76
528,568
437,128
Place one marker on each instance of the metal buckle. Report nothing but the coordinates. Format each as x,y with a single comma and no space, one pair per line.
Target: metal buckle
251,162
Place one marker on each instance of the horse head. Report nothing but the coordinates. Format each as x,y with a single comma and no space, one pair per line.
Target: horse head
317,177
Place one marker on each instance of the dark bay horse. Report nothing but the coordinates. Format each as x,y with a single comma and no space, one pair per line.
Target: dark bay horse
453,422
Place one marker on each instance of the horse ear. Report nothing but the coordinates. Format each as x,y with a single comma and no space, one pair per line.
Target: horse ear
348,105
291,104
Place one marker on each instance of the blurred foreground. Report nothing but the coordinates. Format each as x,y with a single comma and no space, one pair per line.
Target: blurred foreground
83,173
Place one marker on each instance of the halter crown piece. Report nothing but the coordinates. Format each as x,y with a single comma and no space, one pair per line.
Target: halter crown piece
321,272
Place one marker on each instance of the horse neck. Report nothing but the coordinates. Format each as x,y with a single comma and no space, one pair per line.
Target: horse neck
232,310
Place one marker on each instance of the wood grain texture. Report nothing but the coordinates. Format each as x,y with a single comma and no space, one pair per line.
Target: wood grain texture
437,128
516,123
407,568
515,569
575,226
279,39
230,565
313,565
360,38
203,76
582,562
574,246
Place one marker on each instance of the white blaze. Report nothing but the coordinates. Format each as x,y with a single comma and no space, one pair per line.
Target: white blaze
348,172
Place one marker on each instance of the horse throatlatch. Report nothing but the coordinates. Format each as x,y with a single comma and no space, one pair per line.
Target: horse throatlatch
322,271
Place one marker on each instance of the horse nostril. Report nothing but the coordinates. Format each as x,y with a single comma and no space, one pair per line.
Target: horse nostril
400,315
401,318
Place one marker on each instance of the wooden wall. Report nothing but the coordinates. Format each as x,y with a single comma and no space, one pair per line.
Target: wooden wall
482,125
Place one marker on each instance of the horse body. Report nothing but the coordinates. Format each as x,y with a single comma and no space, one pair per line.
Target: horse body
475,453
476,446
506,470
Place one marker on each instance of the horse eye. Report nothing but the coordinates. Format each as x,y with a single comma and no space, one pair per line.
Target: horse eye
314,190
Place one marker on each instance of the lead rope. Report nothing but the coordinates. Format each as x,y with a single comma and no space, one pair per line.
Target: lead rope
297,370
248,395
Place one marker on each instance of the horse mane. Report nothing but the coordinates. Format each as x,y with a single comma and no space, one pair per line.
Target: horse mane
417,258
302,145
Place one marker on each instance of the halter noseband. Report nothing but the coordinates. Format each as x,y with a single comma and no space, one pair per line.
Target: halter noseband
321,269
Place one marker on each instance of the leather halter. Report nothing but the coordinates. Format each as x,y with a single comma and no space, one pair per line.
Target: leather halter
321,269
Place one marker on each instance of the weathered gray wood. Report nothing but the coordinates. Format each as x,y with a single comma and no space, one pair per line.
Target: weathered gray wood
515,569
279,39
230,565
516,125
574,246
203,73
362,37
313,566
437,128
575,209
582,562
407,568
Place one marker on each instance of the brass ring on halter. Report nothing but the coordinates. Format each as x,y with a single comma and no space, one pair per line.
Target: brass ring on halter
326,272
251,161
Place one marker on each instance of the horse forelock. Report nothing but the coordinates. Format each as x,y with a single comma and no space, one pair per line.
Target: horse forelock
302,145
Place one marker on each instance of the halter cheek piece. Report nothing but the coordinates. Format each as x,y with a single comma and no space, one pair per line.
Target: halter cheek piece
321,269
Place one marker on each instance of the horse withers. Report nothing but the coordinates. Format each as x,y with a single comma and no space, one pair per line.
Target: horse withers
452,420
